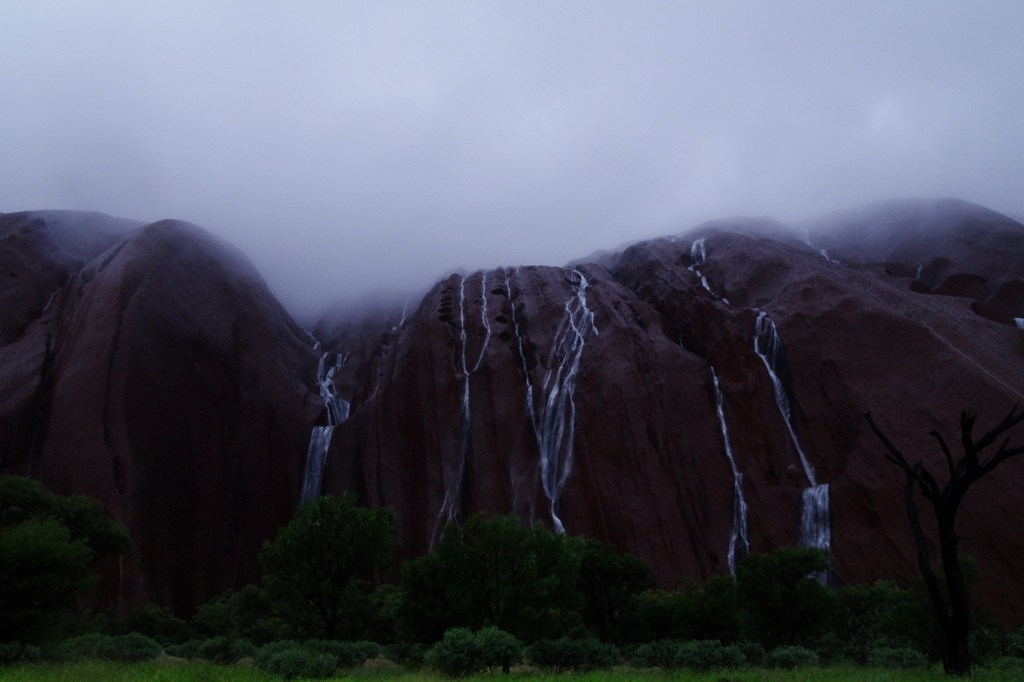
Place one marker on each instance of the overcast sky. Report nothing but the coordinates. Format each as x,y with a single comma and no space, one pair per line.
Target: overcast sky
350,146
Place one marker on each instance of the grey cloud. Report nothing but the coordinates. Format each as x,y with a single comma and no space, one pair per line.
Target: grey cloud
356,146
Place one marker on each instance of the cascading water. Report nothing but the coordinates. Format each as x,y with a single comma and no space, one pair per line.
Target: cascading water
1019,321
815,527
698,254
739,543
768,346
335,411
454,475
554,422
815,524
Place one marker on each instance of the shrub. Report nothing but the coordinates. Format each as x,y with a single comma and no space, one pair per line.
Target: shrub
499,648
301,662
131,647
901,658
15,653
457,654
214,649
406,653
263,655
346,654
705,655
578,655
189,649
156,622
1013,644
660,654
290,659
81,646
789,657
753,653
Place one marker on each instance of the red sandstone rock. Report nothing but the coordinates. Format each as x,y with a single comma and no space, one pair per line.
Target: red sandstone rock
177,391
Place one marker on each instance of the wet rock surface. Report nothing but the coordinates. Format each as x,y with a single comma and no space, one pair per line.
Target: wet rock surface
165,380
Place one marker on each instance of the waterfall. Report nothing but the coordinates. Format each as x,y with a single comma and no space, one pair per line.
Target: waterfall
815,524
739,543
454,475
814,517
554,422
769,348
698,254
920,270
335,411
1019,321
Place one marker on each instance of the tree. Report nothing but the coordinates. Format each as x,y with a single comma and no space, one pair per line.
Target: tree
780,596
49,546
950,601
319,570
490,572
607,584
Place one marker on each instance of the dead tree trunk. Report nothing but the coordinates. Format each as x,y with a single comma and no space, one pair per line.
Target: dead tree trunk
951,605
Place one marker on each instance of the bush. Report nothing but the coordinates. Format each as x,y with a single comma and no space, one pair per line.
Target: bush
753,653
457,654
789,657
214,649
578,655
129,648
705,655
406,653
346,654
462,652
289,660
15,653
660,654
301,662
263,655
901,658
499,648
156,622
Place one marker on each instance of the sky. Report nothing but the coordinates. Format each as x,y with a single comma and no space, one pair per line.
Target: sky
351,147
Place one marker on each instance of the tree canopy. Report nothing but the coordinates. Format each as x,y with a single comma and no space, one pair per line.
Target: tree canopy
49,545
318,571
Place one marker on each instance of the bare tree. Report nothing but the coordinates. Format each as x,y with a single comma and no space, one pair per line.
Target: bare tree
951,605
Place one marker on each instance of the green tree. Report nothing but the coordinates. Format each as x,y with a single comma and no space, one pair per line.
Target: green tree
608,583
318,571
490,572
780,599
49,546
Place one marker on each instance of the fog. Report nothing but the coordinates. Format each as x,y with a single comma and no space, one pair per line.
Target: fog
349,147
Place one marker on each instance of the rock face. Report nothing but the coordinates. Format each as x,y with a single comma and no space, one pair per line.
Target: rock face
691,399
584,397
162,378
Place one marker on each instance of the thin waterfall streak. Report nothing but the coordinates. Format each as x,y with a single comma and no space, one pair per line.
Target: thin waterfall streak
698,255
486,322
739,542
522,358
454,477
555,425
769,351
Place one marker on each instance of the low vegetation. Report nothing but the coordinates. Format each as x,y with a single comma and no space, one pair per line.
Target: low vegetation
497,598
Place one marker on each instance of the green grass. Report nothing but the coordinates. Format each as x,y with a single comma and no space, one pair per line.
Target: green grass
164,671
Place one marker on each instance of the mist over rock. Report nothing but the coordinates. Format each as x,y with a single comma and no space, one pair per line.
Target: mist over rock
597,398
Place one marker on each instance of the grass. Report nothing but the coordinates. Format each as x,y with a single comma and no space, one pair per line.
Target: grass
169,670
